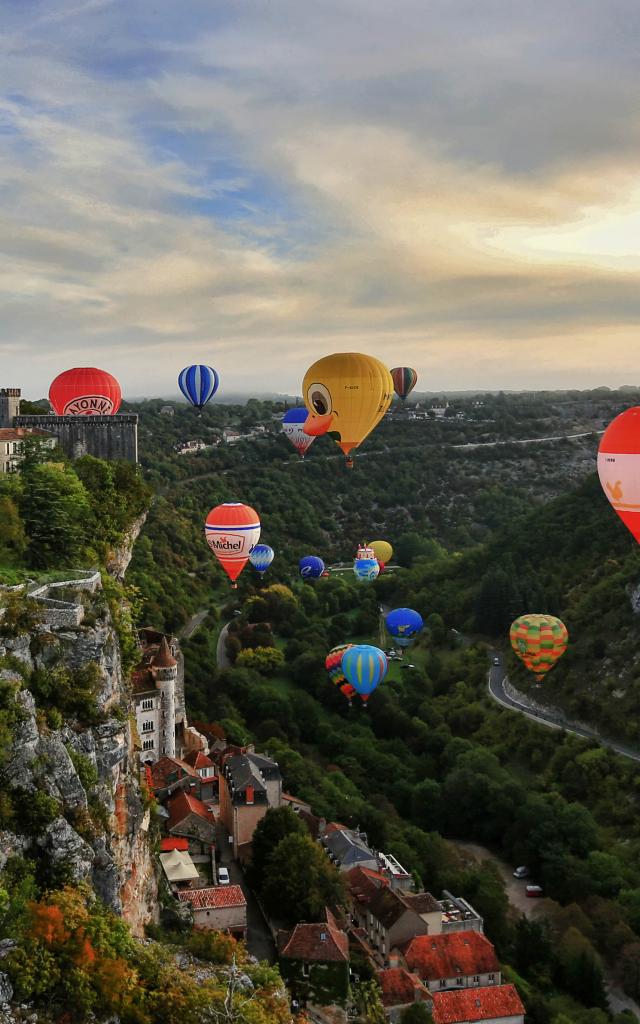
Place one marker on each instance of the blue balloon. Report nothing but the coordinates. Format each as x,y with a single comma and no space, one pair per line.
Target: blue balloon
366,569
364,667
403,624
198,384
261,557
296,415
311,567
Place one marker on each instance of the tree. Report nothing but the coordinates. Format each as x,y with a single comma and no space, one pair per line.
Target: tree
277,824
416,1014
263,659
299,881
55,508
12,535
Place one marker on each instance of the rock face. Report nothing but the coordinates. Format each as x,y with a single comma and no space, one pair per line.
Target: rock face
118,563
117,860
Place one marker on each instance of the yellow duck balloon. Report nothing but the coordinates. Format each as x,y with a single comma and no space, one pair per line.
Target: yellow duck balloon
348,393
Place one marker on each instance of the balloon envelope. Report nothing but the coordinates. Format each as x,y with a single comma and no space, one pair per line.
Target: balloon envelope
619,467
333,665
364,667
311,567
85,391
293,428
403,624
404,380
539,640
232,531
198,384
382,550
347,393
261,557
366,569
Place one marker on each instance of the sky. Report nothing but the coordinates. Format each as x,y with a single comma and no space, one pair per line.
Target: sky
445,184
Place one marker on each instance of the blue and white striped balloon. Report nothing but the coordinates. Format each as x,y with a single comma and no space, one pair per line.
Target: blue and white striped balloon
261,558
198,384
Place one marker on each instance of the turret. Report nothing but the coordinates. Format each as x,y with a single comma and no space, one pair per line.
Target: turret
165,670
9,406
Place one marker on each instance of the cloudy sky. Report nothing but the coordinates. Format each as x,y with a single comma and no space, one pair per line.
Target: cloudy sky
449,184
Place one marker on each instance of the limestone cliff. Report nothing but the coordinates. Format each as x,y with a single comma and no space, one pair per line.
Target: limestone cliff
102,834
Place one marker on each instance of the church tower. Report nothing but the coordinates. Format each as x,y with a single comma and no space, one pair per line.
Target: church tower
9,406
165,670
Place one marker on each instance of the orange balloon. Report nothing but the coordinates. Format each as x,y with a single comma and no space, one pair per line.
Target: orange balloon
232,531
619,467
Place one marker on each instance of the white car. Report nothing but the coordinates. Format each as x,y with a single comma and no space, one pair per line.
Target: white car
496,661
223,876
521,872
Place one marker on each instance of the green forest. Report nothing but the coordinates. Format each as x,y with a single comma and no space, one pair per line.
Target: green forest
480,535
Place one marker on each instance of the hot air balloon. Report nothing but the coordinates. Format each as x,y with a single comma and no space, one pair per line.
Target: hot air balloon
85,391
619,467
366,569
404,381
403,624
333,665
364,667
261,558
293,427
198,384
311,567
382,550
539,640
365,552
232,531
347,393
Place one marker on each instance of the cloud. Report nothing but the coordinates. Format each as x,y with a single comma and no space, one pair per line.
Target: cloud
448,185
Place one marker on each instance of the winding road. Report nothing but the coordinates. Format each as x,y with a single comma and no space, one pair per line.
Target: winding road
497,680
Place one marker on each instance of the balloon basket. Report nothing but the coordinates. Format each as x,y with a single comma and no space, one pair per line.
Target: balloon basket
349,463
234,586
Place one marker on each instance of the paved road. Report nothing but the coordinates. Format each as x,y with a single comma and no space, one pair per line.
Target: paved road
525,440
532,908
221,650
497,679
259,940
194,622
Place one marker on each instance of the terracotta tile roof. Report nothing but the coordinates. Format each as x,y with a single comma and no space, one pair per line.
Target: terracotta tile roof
182,804
215,897
387,907
363,883
174,843
422,902
433,957
321,942
18,433
471,1004
400,987
196,759
166,766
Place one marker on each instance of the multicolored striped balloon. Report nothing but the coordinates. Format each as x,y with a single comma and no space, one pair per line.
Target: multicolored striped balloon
333,665
364,667
198,384
404,381
539,640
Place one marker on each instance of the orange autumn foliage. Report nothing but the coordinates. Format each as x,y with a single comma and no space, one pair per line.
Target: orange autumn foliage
47,924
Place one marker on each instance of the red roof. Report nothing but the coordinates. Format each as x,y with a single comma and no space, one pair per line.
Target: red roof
182,804
196,759
164,658
363,883
18,433
471,1004
322,942
399,987
215,897
434,957
171,766
173,843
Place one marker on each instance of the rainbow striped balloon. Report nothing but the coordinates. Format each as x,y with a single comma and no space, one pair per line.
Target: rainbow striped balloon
364,667
404,381
539,640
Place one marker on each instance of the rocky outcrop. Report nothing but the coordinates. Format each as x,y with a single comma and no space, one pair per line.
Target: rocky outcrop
62,845
118,562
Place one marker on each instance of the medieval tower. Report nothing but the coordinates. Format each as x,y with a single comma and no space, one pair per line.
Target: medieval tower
165,669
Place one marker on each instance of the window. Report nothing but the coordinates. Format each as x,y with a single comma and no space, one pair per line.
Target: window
492,977
147,744
443,983
476,978
147,726
305,970
459,981
147,705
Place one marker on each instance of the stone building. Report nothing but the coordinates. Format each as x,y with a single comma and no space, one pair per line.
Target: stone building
105,437
220,907
314,963
249,785
11,444
9,406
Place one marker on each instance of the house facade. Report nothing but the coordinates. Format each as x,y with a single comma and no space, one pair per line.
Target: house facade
219,908
389,919
12,440
314,963
249,785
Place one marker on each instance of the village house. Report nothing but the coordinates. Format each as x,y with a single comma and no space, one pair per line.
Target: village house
204,767
193,820
347,849
12,442
170,774
498,1005
219,908
399,989
452,961
249,785
314,963
389,918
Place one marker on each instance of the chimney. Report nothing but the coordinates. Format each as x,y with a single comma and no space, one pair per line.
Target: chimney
249,794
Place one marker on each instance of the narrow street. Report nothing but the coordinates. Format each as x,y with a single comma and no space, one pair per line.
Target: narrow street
193,624
259,940
221,651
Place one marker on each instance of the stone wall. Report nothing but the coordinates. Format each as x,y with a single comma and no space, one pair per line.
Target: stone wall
105,437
